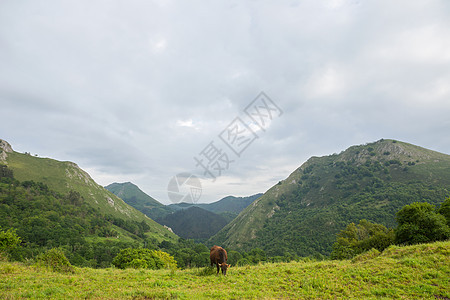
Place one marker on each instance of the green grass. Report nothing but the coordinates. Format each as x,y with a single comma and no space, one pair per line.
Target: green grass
421,271
65,176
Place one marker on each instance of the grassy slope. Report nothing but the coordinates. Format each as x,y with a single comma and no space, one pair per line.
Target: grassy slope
421,271
65,176
432,168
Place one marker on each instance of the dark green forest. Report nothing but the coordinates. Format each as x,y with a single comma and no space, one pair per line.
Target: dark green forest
45,219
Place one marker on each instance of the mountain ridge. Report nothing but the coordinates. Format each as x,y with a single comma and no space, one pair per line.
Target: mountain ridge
228,206
325,193
135,197
66,176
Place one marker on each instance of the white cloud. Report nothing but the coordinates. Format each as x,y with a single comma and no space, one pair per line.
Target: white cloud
135,90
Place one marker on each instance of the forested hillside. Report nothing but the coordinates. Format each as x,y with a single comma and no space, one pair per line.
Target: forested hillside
45,219
135,197
64,177
194,223
303,213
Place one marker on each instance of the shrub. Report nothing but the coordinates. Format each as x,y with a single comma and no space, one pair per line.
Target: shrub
234,257
356,239
243,262
55,260
419,223
445,210
9,239
144,258
168,260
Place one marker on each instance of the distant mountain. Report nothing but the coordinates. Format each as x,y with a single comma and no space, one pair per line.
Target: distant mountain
194,223
184,221
303,213
229,207
135,197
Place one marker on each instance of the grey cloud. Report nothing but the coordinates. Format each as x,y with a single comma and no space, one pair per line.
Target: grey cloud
135,90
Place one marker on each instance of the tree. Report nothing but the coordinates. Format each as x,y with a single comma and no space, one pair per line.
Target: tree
9,240
445,210
234,257
144,258
255,256
356,239
420,223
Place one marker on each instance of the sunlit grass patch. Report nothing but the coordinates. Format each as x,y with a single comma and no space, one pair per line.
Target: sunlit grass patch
402,272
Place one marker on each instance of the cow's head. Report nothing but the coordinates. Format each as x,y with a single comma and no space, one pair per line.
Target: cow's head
224,268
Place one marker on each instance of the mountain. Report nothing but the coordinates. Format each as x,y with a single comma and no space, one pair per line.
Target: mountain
303,213
194,223
228,207
200,223
135,197
66,177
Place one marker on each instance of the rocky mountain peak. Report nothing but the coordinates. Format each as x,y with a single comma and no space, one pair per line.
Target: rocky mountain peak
5,146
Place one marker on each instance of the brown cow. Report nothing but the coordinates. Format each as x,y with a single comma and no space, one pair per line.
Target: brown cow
218,256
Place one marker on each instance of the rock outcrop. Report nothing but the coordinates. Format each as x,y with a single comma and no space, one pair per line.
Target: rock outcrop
5,148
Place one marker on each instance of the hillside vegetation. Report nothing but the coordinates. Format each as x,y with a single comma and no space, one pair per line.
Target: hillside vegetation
228,207
412,272
194,223
64,177
135,197
197,221
44,219
303,213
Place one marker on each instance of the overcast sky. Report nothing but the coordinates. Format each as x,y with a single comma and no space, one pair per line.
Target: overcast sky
134,90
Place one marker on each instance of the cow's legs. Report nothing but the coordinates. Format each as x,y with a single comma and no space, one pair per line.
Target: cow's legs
217,265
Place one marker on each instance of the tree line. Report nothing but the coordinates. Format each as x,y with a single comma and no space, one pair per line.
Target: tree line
419,222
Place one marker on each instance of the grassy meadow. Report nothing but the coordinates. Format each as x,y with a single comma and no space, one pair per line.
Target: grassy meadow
421,271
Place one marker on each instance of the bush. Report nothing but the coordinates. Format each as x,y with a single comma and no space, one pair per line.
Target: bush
419,223
9,240
233,257
445,210
168,260
356,239
144,258
243,262
55,260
